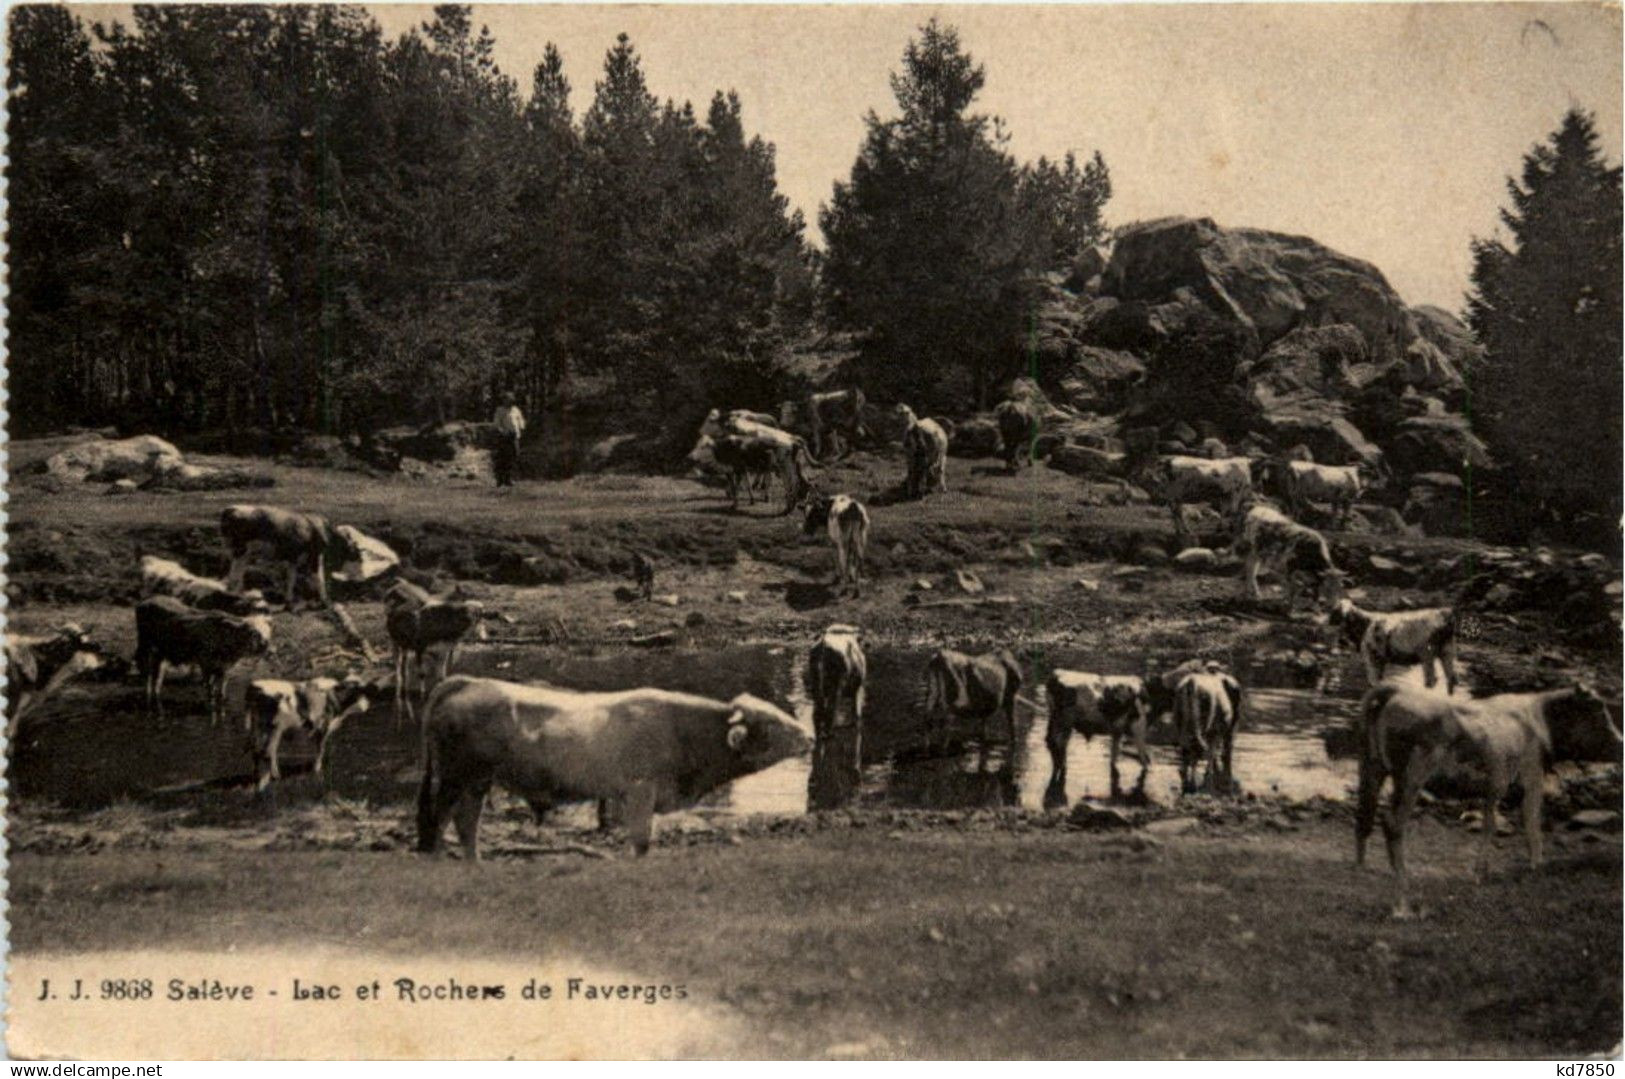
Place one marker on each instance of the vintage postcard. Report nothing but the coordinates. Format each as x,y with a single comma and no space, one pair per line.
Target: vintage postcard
813,532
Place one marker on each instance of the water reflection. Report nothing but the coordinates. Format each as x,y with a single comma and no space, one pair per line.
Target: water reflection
96,746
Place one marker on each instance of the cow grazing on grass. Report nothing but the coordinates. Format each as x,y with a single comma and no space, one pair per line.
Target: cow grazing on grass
647,750
1225,484
975,687
301,541
834,421
925,450
1018,427
37,667
163,577
1091,704
749,464
847,523
1426,638
1271,540
418,622
1207,712
836,672
318,706
1409,734
167,631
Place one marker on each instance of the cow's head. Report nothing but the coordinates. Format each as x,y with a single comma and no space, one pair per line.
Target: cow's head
1580,726
760,735
817,506
261,625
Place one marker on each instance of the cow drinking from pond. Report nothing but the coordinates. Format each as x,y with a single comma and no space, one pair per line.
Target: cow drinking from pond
836,671
1091,704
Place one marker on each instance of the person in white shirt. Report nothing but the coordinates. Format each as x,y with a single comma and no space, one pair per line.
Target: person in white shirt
510,425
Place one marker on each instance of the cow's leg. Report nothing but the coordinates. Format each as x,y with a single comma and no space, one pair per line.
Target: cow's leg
1116,746
1408,783
272,768
466,816
1498,780
1229,756
1250,575
293,582
158,687
239,567
1365,815
1056,737
639,807
1373,667
1533,775
1138,729
1447,659
327,734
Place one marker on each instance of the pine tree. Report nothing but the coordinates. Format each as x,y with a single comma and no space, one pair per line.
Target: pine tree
1546,306
934,238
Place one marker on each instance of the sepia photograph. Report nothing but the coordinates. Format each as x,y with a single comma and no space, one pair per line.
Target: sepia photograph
814,532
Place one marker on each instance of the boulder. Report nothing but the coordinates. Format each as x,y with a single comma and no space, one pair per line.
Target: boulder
1437,503
1085,461
376,556
1330,437
1448,334
1436,444
103,461
1268,282
1097,379
1311,361
976,437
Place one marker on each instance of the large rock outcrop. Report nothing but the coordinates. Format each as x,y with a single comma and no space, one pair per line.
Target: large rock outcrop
101,460
1268,282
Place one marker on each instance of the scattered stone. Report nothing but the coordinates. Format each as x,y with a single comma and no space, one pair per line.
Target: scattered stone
968,582
1094,818
734,597
695,618
624,623
1087,584
669,599
1197,558
1595,818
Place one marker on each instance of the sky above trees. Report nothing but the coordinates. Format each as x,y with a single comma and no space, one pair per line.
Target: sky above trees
1382,131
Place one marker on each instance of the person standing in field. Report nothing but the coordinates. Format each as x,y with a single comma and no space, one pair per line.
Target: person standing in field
510,425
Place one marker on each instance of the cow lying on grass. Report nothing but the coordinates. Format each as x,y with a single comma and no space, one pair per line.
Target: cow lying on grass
1410,734
648,750
164,577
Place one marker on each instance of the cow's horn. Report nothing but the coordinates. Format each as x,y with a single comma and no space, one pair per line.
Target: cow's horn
737,731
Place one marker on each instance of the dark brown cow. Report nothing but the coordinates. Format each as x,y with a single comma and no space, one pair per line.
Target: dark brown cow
976,687
1018,427
167,631
834,418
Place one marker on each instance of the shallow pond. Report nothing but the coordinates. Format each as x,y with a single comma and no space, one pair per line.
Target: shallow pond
94,745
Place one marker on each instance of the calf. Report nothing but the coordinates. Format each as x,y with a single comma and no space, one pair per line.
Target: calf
1092,704
1410,734
169,632
1207,712
925,450
417,622
836,671
38,667
301,541
847,523
1271,540
1426,638
979,687
1018,427
647,750
163,577
317,705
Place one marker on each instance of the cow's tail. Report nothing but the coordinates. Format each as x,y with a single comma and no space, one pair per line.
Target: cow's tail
1374,740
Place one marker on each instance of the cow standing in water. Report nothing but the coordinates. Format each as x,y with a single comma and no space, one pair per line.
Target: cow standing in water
975,687
1091,704
836,671
648,750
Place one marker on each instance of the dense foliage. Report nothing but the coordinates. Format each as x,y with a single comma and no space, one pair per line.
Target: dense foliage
1546,306
233,216
935,239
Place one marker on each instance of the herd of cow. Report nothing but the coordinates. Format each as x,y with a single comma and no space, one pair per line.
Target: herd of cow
640,751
